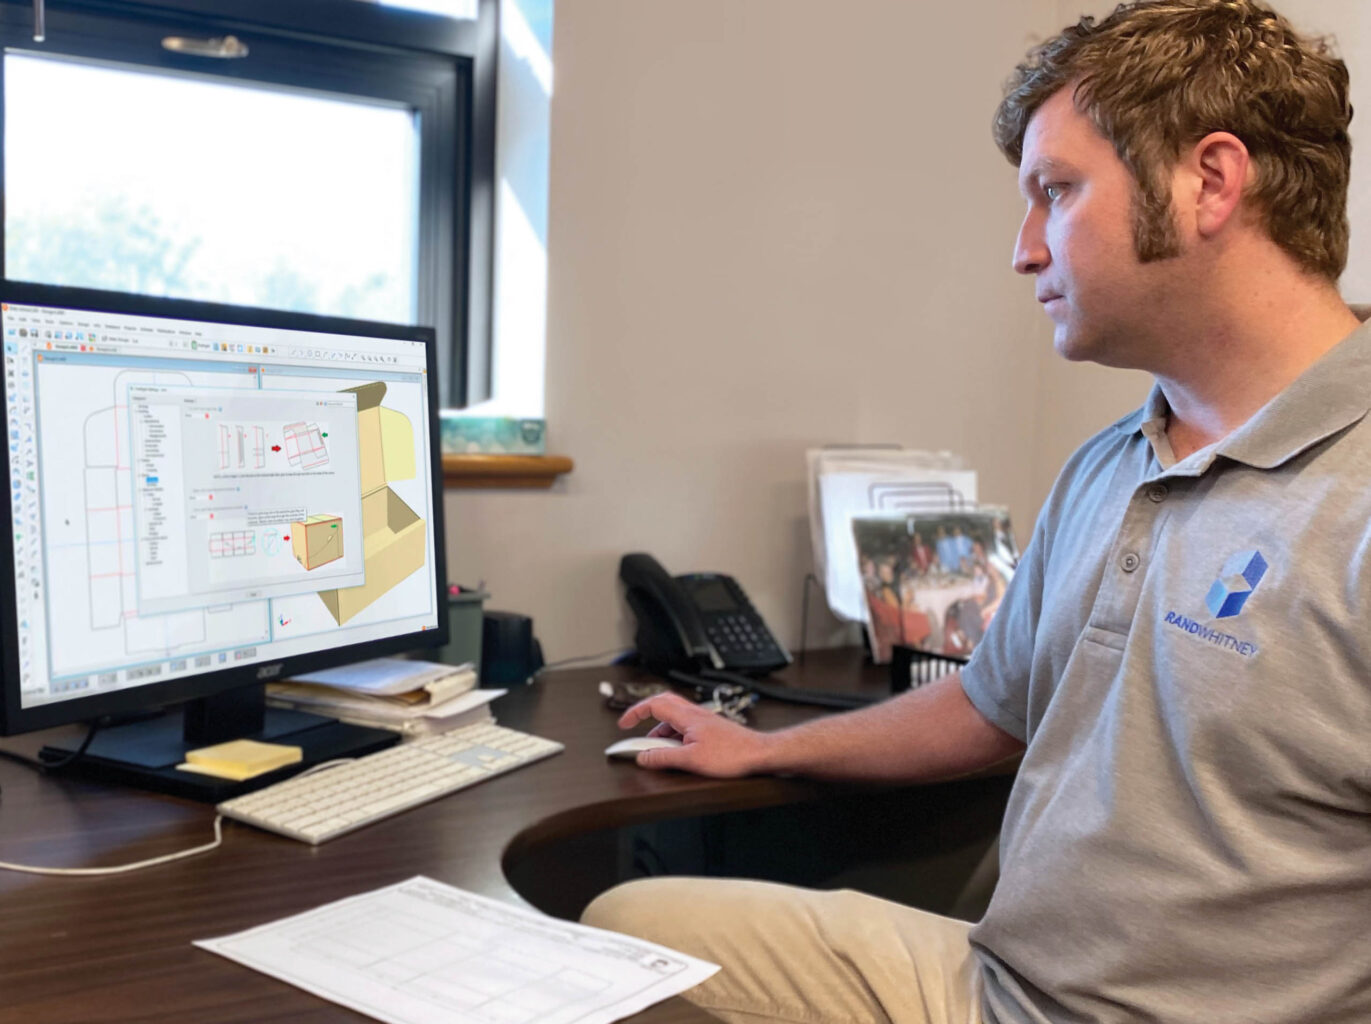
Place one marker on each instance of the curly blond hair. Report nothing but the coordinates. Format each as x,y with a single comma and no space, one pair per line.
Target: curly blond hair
1158,75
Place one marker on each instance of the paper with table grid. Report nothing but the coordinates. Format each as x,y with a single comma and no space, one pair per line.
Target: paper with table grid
421,952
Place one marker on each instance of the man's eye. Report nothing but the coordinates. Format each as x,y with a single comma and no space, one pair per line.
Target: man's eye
1053,192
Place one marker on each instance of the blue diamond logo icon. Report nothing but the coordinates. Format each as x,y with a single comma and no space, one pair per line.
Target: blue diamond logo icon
1237,579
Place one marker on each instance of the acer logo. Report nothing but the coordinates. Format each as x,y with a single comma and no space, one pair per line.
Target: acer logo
270,671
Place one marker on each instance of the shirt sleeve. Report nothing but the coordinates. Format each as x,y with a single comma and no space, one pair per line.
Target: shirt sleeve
996,681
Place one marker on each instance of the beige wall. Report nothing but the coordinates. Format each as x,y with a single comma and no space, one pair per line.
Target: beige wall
773,224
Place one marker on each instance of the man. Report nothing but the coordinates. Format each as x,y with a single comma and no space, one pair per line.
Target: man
962,543
1183,653
946,546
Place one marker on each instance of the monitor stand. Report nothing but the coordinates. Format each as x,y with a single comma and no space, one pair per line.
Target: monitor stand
146,753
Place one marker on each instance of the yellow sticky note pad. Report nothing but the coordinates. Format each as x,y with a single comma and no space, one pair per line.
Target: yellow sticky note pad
240,759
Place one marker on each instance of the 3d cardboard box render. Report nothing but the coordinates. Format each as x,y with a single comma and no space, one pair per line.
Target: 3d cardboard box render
394,537
317,540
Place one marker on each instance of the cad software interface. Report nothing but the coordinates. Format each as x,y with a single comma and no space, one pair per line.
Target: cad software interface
189,496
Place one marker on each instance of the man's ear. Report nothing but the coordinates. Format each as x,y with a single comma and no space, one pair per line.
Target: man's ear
1220,164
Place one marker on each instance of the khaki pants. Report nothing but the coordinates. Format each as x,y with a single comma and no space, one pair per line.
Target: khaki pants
791,954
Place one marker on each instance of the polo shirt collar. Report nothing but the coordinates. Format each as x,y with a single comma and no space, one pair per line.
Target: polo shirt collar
1329,396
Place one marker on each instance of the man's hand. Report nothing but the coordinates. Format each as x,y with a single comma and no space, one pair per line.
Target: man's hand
710,744
932,732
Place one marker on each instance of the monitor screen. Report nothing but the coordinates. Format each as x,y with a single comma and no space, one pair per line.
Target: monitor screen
205,497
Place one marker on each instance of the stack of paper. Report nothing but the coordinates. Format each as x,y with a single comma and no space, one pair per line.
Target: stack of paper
413,697
847,482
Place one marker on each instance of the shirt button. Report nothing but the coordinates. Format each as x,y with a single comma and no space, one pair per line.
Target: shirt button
1129,562
1157,492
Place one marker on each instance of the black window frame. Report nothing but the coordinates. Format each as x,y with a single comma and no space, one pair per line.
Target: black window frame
444,67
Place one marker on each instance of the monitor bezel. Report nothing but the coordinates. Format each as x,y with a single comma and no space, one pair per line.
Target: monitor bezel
16,719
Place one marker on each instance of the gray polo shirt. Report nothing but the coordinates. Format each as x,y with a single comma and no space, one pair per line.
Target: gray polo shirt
1186,649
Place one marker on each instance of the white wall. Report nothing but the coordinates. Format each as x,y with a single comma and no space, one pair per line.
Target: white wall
773,224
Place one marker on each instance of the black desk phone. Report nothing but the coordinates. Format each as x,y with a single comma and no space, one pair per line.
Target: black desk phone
701,620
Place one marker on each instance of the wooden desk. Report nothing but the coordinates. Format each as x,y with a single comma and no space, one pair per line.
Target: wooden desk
119,948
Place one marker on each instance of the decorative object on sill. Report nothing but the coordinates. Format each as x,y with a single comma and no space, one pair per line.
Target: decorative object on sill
492,435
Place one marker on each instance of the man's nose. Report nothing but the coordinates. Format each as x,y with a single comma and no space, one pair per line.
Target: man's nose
1030,249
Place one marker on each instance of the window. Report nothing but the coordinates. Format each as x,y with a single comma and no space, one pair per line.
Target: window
251,200
520,302
335,160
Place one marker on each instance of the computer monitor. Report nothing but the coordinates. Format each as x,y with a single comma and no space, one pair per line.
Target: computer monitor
202,499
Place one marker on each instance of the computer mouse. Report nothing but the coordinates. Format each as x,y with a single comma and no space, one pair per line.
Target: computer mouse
631,747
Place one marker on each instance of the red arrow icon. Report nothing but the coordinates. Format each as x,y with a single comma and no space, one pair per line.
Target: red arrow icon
276,447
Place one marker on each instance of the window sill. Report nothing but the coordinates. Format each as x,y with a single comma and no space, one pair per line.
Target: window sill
527,471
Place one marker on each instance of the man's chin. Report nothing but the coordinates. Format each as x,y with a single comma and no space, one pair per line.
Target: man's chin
1104,351
1071,346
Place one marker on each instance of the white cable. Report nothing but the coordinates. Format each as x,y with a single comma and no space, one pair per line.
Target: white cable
166,858
615,651
312,769
119,869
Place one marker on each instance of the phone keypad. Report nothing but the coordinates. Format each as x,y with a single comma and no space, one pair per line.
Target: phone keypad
732,626
735,634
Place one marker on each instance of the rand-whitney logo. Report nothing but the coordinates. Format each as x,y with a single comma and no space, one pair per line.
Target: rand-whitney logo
1237,579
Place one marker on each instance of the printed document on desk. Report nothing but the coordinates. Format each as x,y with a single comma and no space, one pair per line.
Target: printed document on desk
421,952
384,712
414,697
392,677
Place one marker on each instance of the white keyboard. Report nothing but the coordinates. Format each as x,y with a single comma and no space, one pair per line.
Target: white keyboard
317,806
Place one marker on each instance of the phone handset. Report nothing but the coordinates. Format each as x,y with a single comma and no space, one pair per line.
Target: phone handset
671,632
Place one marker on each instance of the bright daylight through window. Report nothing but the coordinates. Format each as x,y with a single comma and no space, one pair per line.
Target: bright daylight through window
201,188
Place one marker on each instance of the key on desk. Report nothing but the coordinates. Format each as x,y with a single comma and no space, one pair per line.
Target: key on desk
316,807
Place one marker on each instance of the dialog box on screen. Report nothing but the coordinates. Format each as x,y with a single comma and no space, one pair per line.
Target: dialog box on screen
240,495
